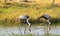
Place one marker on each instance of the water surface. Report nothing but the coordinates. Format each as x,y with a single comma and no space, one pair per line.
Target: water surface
37,30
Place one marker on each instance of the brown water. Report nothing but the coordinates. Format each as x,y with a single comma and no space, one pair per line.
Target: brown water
37,30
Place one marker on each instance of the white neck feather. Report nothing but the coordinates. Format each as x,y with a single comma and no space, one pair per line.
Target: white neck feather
28,22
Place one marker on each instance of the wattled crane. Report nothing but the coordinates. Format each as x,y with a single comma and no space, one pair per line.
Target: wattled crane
47,17
25,19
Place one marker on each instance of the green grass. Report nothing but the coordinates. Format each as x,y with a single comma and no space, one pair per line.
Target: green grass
30,35
9,12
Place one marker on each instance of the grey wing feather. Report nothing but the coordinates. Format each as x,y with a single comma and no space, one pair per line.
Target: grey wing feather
47,16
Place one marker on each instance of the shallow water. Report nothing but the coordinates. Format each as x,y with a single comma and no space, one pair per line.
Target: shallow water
37,30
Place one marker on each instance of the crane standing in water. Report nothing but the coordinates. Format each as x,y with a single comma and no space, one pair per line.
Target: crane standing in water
47,17
25,19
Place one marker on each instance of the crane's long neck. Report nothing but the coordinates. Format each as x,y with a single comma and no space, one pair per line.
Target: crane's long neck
49,22
29,25
28,22
39,18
